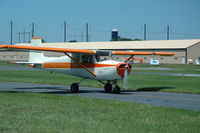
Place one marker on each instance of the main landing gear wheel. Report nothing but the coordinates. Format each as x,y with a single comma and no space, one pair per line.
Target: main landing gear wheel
116,89
108,87
74,88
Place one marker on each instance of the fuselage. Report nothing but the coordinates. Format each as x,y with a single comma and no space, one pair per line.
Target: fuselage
103,70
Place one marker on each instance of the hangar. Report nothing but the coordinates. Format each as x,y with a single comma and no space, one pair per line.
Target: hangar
186,51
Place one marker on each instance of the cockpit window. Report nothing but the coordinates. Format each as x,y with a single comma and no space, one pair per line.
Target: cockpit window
76,56
84,58
87,59
97,57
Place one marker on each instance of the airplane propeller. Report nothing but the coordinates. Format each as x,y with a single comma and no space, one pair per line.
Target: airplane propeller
125,79
126,72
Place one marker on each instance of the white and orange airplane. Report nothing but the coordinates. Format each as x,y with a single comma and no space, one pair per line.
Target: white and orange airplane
81,63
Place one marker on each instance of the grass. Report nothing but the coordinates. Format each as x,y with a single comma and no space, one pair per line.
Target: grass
172,66
182,69
165,83
36,112
33,112
137,82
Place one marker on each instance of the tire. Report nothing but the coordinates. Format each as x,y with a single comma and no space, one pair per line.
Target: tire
108,87
74,88
117,89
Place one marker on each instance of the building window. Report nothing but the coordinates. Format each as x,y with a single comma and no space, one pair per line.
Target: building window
176,58
117,58
145,58
161,58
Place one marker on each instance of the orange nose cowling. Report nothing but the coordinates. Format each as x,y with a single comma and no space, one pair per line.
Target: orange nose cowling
121,69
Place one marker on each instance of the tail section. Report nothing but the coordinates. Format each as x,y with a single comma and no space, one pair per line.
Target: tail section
37,56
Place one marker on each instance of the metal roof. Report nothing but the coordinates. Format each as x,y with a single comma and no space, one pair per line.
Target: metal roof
158,44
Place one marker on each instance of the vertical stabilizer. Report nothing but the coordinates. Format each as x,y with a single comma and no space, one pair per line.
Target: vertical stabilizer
36,56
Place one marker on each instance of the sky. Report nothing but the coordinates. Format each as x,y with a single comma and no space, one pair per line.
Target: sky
127,16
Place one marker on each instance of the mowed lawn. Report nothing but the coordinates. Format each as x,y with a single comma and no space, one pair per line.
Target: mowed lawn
44,113
36,112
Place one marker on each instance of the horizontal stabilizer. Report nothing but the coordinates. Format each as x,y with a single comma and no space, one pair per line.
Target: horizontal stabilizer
24,63
31,64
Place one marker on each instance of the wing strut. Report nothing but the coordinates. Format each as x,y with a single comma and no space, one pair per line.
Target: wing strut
80,65
130,57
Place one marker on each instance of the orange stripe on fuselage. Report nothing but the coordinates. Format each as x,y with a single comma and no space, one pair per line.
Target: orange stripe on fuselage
73,65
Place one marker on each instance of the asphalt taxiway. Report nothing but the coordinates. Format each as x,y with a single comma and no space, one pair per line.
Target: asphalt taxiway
176,100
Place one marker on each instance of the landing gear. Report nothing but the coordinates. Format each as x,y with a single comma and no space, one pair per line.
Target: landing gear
74,88
116,89
108,87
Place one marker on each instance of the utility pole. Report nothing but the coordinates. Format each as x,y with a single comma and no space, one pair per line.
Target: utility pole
33,30
87,37
29,35
82,36
19,33
168,32
145,31
24,35
65,31
11,32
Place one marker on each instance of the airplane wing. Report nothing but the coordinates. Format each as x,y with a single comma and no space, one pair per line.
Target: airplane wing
142,53
37,41
33,48
3,46
84,51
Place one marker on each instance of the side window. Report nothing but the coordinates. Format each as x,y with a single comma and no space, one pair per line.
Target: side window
97,57
87,59
76,56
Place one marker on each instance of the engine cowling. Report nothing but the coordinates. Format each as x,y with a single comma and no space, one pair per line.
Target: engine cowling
121,68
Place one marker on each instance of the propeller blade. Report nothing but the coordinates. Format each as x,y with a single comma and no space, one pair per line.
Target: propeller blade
125,80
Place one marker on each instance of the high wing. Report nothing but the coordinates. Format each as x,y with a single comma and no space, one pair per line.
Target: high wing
3,46
37,41
84,51
31,48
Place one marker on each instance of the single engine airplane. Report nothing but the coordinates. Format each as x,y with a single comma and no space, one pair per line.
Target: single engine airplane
81,63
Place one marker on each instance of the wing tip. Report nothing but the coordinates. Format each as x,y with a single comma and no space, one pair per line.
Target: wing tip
36,38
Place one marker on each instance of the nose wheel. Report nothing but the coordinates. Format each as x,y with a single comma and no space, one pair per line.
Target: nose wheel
74,88
108,88
116,89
